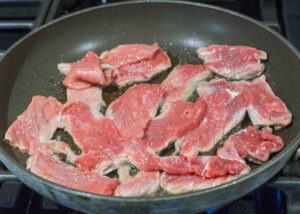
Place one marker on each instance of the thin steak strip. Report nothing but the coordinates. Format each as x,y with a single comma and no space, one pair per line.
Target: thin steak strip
134,63
177,118
234,62
133,111
93,135
182,81
141,184
257,145
128,54
91,96
263,106
84,74
43,164
38,122
226,108
176,184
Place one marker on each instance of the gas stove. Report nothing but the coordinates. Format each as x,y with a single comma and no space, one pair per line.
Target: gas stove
278,196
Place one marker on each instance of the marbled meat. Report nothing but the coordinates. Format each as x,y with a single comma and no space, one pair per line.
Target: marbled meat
133,63
234,62
141,184
84,74
176,119
38,122
263,106
226,108
257,145
133,111
182,81
91,96
176,184
48,167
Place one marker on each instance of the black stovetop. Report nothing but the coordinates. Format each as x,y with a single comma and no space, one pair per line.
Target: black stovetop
280,195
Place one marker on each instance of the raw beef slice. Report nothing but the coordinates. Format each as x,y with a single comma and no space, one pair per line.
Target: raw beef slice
38,122
133,111
182,81
235,62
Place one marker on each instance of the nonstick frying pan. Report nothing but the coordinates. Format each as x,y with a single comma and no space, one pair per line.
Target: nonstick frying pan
29,68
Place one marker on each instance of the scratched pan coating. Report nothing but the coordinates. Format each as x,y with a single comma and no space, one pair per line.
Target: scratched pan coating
29,68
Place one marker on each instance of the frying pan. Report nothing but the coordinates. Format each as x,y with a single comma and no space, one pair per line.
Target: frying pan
29,68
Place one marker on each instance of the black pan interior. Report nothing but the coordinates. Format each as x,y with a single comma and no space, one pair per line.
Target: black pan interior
31,67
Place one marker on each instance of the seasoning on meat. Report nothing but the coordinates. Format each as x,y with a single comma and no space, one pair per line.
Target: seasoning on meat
88,132
226,162
175,165
217,166
265,108
128,54
52,147
182,81
176,119
133,111
139,154
225,109
234,62
255,144
141,184
91,96
47,167
135,62
38,122
93,135
84,74
176,184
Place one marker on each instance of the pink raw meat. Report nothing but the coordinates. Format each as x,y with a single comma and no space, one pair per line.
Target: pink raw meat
178,118
225,109
95,160
145,159
38,122
227,162
183,80
141,184
175,165
102,148
235,62
84,74
215,166
143,70
264,108
176,184
91,96
49,168
134,63
128,54
93,135
88,132
52,147
139,154
126,150
255,144
133,111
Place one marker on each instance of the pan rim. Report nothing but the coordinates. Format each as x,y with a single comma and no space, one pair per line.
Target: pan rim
292,146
